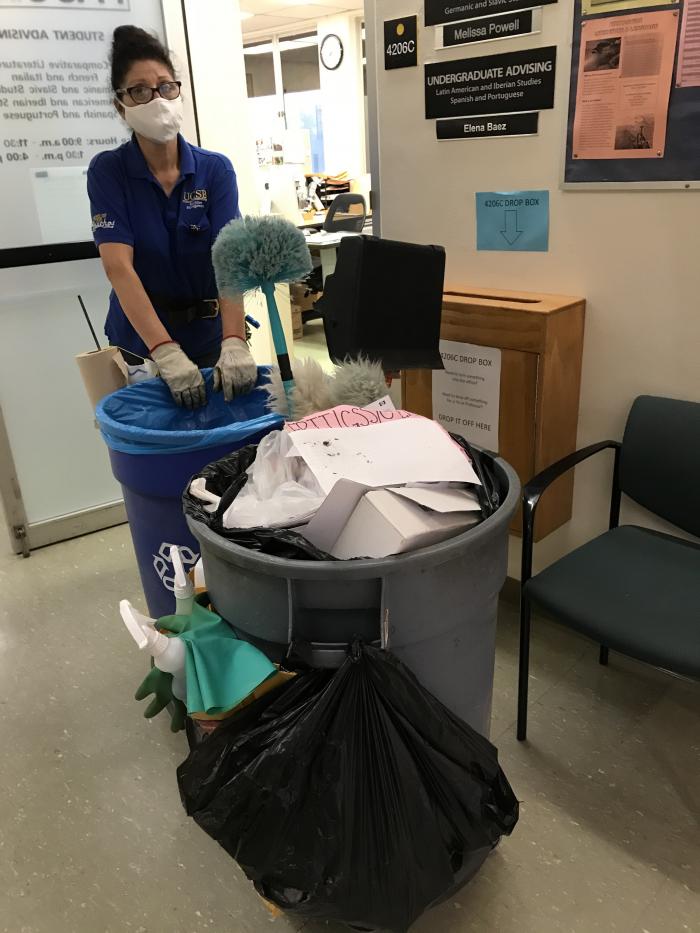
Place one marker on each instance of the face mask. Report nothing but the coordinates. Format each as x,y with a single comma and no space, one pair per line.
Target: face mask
159,120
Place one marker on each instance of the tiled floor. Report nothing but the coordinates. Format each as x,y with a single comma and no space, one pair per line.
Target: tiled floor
93,838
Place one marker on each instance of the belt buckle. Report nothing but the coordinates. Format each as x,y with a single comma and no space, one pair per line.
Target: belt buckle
214,302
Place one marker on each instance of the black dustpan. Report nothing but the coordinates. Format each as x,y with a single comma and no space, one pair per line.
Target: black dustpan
384,302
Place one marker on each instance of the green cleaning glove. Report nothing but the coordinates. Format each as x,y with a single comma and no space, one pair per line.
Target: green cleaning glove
160,684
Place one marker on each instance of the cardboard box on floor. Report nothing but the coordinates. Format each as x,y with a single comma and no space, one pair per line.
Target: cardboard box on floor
357,521
301,297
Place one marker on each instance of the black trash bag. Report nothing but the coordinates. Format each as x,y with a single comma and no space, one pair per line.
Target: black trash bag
356,797
225,478
488,493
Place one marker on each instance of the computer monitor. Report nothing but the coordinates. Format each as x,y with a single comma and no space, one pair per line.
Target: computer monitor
384,301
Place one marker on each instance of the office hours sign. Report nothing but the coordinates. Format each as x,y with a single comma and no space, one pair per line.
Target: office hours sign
467,393
56,110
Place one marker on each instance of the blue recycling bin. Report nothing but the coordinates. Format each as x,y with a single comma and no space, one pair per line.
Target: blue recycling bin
155,448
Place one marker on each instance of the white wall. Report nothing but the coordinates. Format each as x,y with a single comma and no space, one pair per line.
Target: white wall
343,99
633,255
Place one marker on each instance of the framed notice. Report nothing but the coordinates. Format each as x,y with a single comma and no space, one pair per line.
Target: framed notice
56,113
632,117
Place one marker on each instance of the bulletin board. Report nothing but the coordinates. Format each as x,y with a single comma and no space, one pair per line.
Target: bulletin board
679,167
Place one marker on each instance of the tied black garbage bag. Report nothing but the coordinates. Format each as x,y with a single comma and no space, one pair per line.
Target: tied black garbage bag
356,796
226,478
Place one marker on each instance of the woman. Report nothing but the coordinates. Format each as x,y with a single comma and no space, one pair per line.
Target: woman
157,206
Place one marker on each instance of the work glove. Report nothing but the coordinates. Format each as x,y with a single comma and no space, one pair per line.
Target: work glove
236,372
160,684
182,377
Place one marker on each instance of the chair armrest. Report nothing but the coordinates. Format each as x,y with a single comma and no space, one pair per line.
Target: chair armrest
539,483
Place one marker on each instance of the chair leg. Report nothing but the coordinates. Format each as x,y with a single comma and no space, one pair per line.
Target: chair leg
524,669
603,657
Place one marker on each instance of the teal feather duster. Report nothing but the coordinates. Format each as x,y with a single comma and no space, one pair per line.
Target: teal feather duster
259,252
256,251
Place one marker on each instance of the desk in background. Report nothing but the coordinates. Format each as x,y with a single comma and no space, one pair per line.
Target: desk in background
326,244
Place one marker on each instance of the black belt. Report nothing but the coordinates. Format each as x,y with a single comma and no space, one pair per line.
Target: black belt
182,311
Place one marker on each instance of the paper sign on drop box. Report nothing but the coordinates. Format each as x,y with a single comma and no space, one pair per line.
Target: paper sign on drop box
358,521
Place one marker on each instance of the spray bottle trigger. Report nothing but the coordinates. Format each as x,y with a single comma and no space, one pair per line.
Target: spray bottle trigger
137,624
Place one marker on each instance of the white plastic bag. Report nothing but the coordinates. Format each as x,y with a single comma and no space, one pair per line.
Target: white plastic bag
281,491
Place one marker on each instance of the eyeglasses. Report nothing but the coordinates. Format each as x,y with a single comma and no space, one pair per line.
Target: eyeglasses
141,94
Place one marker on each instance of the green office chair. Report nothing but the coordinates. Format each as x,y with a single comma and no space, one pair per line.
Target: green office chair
632,590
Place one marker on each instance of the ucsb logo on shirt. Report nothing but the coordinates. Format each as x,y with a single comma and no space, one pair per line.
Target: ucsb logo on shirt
100,222
196,198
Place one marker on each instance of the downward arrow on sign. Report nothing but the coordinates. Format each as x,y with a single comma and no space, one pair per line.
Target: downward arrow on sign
511,232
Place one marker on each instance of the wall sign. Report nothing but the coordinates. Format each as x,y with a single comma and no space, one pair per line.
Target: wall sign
454,11
57,111
467,393
490,28
512,124
513,221
508,83
401,43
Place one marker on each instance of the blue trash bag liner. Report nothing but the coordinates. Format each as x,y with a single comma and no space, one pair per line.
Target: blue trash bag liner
144,419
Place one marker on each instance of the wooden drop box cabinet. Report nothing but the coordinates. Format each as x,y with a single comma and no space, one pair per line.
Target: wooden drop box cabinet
541,341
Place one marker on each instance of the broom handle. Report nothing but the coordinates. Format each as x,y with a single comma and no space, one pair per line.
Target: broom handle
278,338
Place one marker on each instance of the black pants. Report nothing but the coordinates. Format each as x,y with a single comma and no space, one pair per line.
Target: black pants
203,361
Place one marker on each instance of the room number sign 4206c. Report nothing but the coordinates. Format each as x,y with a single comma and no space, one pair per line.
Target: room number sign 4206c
401,42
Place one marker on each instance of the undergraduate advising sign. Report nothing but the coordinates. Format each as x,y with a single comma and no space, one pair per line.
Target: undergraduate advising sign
56,111
508,83
453,11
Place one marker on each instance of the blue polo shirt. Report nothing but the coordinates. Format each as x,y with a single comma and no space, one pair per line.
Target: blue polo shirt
171,236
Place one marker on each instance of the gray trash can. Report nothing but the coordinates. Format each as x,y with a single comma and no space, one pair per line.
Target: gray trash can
436,606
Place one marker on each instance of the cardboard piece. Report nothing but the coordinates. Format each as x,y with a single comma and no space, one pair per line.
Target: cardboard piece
103,372
357,521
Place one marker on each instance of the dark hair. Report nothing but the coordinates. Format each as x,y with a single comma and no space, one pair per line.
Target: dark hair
131,44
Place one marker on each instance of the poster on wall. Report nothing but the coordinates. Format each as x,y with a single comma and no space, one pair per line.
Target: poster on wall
624,85
56,111
438,12
512,82
689,53
467,392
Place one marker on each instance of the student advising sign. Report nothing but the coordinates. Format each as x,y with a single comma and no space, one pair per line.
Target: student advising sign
508,83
